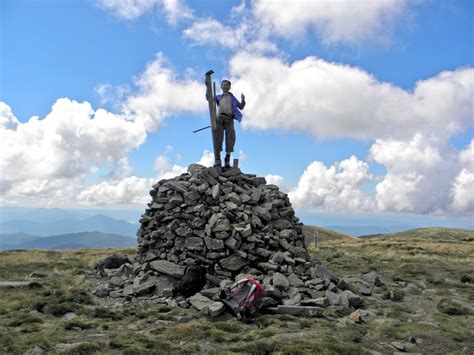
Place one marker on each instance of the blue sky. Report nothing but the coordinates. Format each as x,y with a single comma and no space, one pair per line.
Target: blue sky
388,83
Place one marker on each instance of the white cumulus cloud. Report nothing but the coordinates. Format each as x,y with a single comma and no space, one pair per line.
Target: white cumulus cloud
161,93
462,191
338,21
331,100
174,10
334,188
419,175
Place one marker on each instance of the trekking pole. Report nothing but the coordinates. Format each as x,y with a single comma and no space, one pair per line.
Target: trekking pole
201,129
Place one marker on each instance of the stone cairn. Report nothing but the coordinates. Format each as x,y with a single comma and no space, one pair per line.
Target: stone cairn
235,224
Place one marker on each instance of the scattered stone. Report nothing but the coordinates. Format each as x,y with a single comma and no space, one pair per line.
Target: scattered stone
317,302
145,289
38,351
396,295
183,319
101,292
373,278
398,345
38,275
321,271
206,305
304,311
68,347
113,261
15,284
69,316
292,325
455,307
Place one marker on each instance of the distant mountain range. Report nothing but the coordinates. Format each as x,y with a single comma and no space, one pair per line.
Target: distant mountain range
38,214
66,241
97,223
357,231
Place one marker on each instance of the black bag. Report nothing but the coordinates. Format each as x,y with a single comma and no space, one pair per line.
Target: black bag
192,282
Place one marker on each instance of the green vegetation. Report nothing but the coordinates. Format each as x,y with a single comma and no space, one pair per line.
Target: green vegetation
430,267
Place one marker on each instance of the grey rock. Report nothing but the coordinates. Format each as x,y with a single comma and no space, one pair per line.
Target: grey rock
113,261
206,305
284,244
206,176
231,243
317,302
38,275
69,316
293,300
267,266
233,263
256,195
15,284
292,325
219,223
101,291
373,278
233,197
230,205
266,302
263,213
116,282
167,292
69,347
184,231
295,281
183,319
277,258
281,224
145,289
214,244
244,229
287,233
38,351
334,298
168,268
321,271
216,191
280,281
194,243
179,187
305,311
264,253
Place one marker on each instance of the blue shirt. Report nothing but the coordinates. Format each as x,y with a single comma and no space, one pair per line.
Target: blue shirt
236,106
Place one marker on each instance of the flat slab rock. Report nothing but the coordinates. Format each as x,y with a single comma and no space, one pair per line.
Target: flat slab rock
305,311
206,305
14,284
168,268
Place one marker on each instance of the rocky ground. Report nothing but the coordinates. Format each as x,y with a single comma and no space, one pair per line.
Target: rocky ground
417,289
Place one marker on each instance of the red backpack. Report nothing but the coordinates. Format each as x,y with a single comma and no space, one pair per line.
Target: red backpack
242,297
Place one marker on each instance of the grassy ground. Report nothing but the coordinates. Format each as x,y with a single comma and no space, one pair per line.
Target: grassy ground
431,269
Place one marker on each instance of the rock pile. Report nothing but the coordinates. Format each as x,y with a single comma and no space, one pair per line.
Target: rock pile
234,223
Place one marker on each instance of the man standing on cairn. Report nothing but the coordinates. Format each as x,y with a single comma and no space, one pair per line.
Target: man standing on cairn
228,110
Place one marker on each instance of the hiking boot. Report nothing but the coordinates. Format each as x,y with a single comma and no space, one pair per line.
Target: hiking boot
227,162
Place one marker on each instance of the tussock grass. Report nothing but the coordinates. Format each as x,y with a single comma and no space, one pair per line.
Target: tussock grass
436,260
